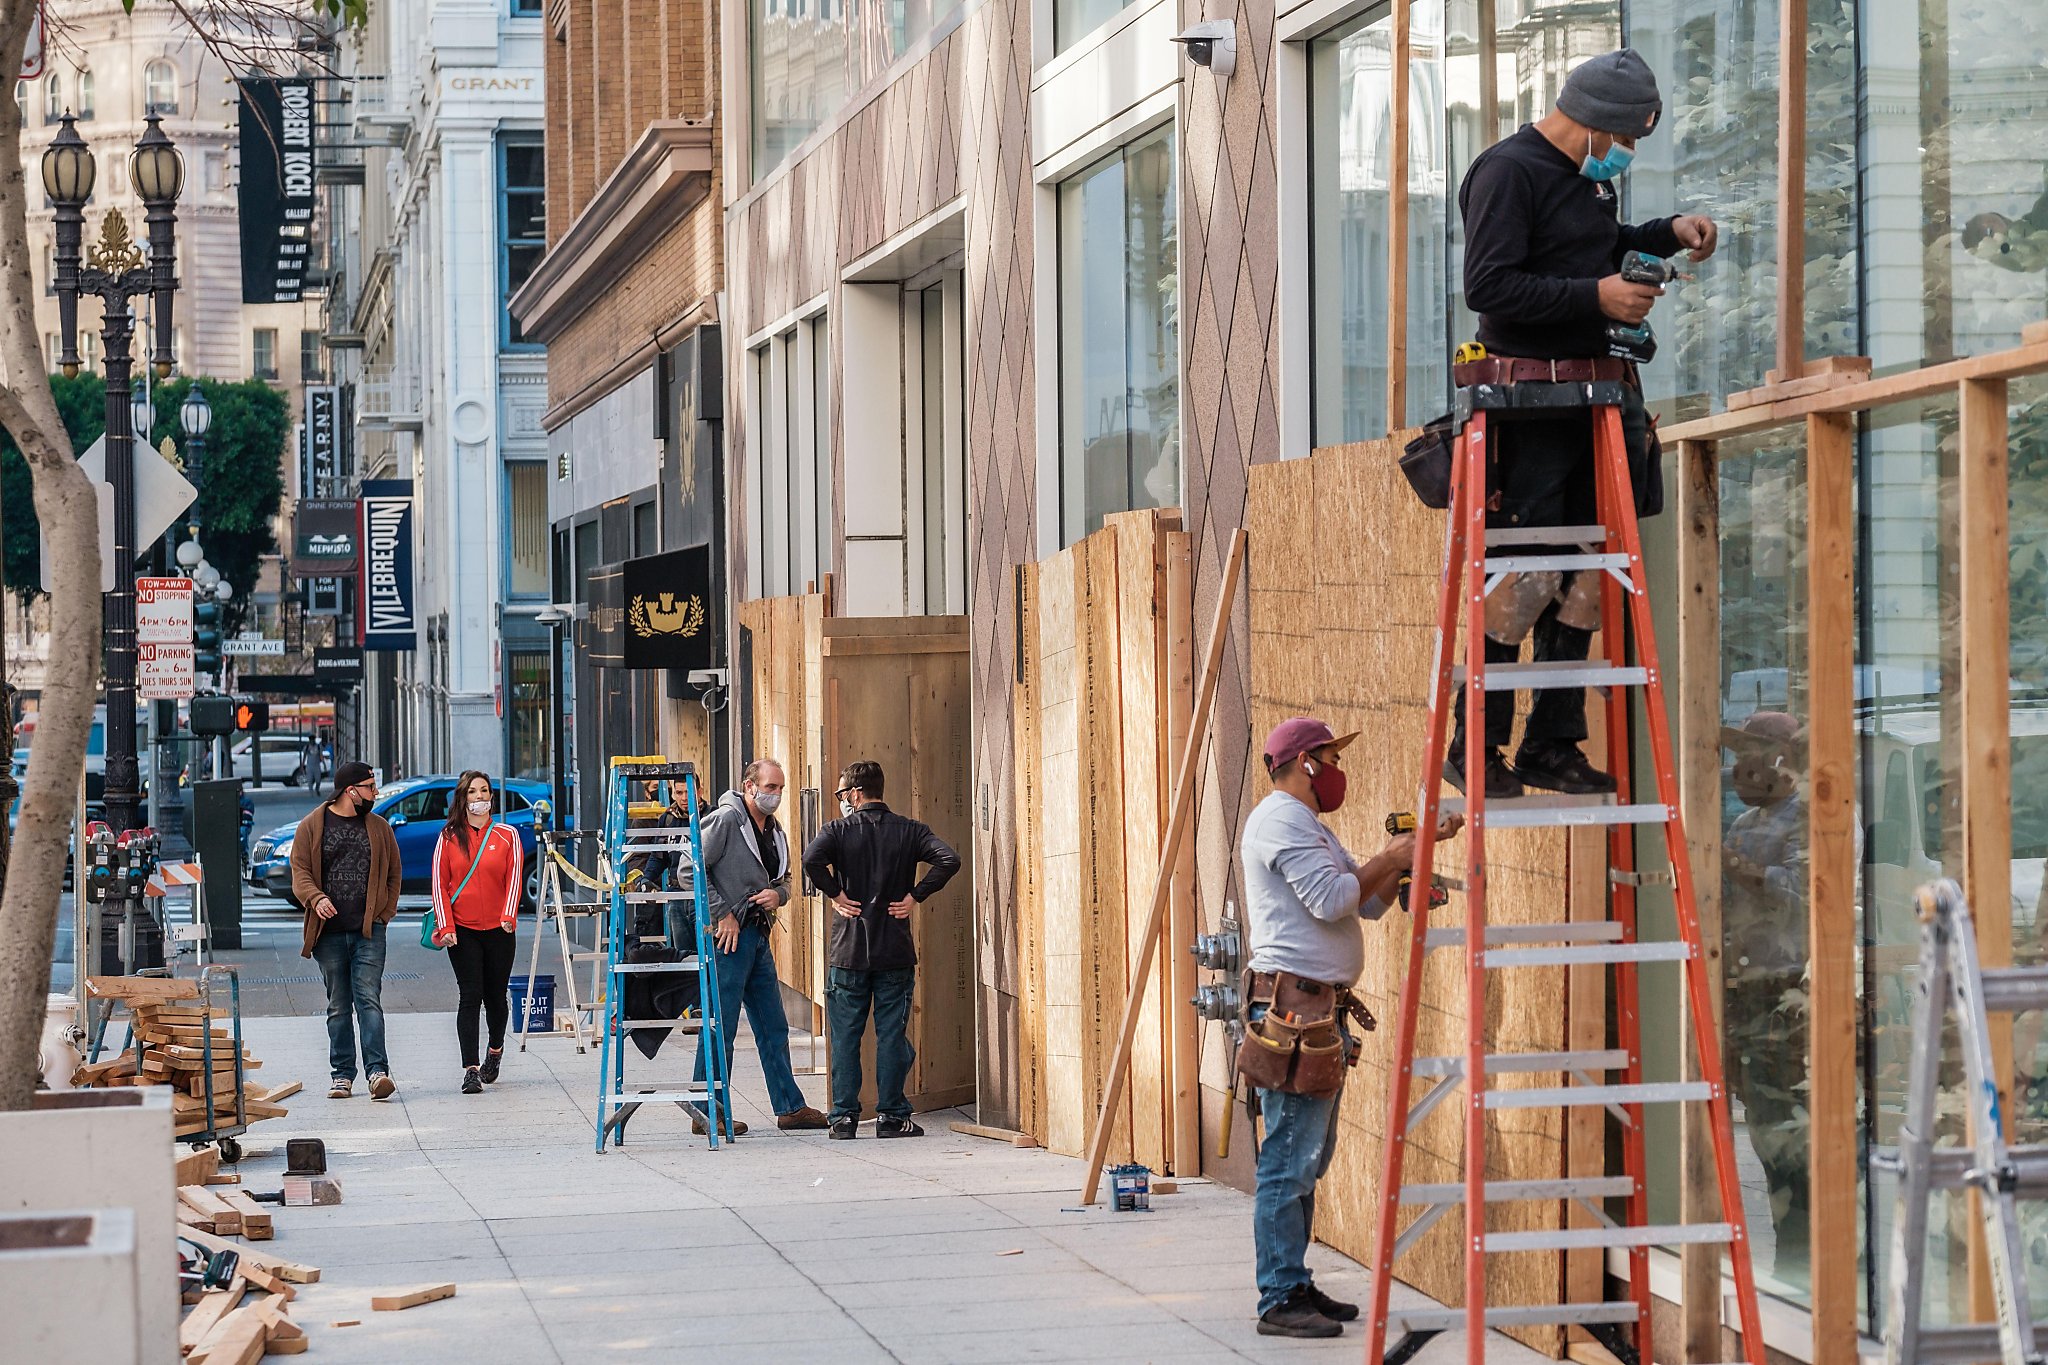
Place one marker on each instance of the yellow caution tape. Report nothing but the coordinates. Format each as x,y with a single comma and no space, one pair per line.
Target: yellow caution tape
577,874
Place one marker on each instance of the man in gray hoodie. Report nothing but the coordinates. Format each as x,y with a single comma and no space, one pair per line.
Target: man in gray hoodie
746,864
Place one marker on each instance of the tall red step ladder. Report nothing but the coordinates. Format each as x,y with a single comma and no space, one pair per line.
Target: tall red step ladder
1475,559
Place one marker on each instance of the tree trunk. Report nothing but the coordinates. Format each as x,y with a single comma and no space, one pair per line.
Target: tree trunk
68,508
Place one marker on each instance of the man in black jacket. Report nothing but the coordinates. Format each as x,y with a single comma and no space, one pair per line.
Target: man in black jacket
866,863
1544,244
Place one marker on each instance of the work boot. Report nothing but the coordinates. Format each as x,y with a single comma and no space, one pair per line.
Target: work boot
739,1129
845,1129
1297,1316
1501,782
382,1087
804,1120
891,1127
472,1084
1336,1310
488,1072
1559,767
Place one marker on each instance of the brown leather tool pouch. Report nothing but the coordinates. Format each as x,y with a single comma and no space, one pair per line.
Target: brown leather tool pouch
1295,1044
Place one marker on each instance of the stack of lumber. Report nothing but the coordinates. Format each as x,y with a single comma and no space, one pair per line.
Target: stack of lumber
221,1329
178,1040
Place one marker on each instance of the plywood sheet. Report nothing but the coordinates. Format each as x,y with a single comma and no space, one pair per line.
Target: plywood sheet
909,713
1060,820
1138,660
1030,948
1103,933
1348,634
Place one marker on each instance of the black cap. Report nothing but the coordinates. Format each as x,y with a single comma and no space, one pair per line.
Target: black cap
351,774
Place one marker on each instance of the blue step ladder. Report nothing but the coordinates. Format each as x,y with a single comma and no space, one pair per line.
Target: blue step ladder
625,843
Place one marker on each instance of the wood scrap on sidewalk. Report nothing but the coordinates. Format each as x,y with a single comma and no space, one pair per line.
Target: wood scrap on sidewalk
411,1298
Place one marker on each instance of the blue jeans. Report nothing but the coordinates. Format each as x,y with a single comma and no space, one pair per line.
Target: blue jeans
352,966
848,997
746,979
1301,1135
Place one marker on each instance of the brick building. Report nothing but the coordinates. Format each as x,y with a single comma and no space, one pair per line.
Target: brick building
626,301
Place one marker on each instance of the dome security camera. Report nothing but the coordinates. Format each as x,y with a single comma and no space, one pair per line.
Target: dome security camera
1212,44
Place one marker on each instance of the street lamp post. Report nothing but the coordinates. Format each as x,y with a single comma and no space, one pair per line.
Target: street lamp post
115,271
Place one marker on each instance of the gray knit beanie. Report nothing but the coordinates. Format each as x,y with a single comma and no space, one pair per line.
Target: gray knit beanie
1613,93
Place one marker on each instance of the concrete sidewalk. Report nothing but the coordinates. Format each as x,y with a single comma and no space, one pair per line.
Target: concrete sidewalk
780,1246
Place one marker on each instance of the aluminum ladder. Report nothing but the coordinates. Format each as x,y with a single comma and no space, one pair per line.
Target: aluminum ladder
1475,560
1951,976
623,842
556,907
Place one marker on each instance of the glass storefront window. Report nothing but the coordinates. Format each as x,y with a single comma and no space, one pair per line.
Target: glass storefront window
1119,290
1351,138
1764,844
806,57
526,671
1717,153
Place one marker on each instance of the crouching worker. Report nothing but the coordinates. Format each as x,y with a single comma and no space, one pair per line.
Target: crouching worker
1306,898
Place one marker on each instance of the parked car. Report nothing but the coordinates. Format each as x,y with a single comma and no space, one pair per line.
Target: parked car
417,809
290,759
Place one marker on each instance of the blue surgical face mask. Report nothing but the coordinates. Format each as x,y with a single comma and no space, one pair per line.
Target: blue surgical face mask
1606,167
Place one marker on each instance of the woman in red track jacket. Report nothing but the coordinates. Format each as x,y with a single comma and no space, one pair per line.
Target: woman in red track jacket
479,868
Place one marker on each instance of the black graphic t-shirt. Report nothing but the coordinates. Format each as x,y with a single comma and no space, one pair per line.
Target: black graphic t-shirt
345,868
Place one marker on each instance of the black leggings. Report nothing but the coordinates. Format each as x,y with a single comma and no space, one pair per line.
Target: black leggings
482,959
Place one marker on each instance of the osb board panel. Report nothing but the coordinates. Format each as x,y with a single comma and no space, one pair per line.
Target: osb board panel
787,714
1059,824
909,713
1030,919
1103,936
1347,634
1139,650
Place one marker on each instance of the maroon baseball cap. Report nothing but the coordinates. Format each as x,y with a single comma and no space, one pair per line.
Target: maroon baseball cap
1296,736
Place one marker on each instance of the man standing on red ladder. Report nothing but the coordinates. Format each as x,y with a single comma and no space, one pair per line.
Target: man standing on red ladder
1544,244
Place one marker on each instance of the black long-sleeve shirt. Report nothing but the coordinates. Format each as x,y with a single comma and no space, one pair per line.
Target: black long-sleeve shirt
872,855
1538,239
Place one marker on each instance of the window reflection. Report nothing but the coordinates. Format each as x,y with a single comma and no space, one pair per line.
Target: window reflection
807,56
1351,136
1119,336
1764,721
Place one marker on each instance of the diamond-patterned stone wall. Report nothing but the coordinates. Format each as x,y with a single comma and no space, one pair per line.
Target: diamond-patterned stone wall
1230,275
956,123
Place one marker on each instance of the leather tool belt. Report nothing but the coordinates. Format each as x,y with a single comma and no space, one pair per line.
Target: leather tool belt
1507,369
1297,1042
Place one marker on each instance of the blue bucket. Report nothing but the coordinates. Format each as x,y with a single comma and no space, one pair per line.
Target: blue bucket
535,1005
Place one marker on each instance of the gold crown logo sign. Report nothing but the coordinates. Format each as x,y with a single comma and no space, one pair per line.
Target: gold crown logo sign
666,616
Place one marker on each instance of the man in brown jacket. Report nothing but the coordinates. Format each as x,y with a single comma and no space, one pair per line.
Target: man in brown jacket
346,873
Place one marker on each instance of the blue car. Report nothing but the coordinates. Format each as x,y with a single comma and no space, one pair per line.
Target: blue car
417,809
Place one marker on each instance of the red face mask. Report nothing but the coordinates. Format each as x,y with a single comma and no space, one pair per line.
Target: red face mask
1326,782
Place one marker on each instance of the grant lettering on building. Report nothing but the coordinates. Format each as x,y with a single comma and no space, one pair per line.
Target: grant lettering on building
387,615
276,194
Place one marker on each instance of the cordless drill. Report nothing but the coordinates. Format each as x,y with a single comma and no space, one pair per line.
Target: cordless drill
1403,822
1638,344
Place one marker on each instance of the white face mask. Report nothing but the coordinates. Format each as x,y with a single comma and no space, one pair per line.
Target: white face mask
479,808
846,807
766,802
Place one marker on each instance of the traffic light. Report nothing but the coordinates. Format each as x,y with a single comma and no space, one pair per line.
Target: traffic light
253,716
213,715
206,637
